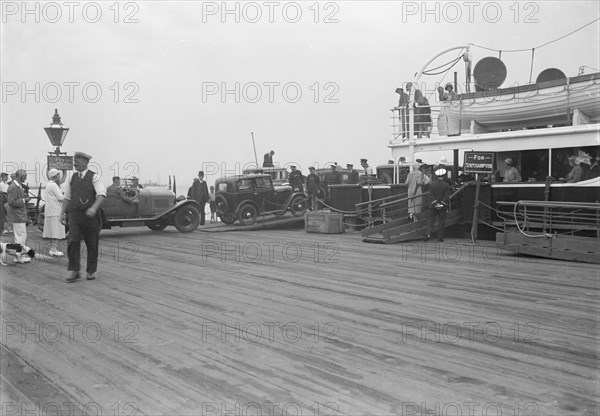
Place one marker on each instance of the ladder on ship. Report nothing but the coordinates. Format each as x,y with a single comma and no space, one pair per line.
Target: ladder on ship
397,227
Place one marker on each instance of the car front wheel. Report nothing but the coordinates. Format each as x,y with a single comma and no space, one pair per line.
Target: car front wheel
298,206
247,215
187,219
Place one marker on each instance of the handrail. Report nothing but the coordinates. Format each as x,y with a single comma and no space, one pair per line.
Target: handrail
393,199
554,204
552,216
374,201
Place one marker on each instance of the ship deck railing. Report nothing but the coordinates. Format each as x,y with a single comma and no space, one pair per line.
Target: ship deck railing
401,130
548,217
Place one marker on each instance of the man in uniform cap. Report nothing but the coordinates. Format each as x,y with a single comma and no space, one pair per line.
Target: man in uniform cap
332,178
366,167
439,195
296,179
84,194
312,187
352,174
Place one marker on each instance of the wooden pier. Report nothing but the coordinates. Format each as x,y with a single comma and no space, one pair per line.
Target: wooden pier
283,322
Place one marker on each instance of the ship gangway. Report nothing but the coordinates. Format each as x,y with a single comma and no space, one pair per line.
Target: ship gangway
395,223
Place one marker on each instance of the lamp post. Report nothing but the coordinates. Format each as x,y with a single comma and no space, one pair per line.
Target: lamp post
57,133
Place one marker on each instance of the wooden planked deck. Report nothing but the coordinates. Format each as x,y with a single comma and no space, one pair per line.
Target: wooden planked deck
287,322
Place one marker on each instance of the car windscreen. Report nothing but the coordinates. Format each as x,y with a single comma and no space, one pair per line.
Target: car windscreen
263,183
244,185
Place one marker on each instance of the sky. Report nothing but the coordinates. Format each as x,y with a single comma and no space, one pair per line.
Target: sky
152,89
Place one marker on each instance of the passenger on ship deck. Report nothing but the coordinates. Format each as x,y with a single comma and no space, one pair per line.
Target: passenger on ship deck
576,173
403,110
449,95
423,123
511,174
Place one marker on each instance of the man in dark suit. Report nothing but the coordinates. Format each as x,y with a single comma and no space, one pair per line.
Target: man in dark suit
268,160
332,178
403,110
296,179
84,195
439,197
199,193
312,187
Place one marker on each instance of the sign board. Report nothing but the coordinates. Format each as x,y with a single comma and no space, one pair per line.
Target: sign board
479,162
60,162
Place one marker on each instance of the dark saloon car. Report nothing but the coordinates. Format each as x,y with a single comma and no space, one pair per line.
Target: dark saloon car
245,197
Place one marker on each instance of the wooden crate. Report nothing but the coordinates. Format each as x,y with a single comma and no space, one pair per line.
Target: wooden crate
324,222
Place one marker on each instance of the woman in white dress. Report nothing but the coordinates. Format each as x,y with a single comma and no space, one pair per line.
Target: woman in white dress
53,229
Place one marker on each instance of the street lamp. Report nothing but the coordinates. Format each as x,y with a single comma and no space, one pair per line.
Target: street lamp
56,133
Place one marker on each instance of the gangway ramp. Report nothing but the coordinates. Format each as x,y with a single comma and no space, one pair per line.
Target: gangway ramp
404,229
398,227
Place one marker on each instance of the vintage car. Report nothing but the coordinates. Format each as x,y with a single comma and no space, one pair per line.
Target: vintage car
245,197
154,208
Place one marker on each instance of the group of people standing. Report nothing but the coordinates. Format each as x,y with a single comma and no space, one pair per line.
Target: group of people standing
422,110
333,177
77,204
14,215
438,199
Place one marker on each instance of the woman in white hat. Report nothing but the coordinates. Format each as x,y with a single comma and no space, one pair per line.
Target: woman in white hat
53,229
